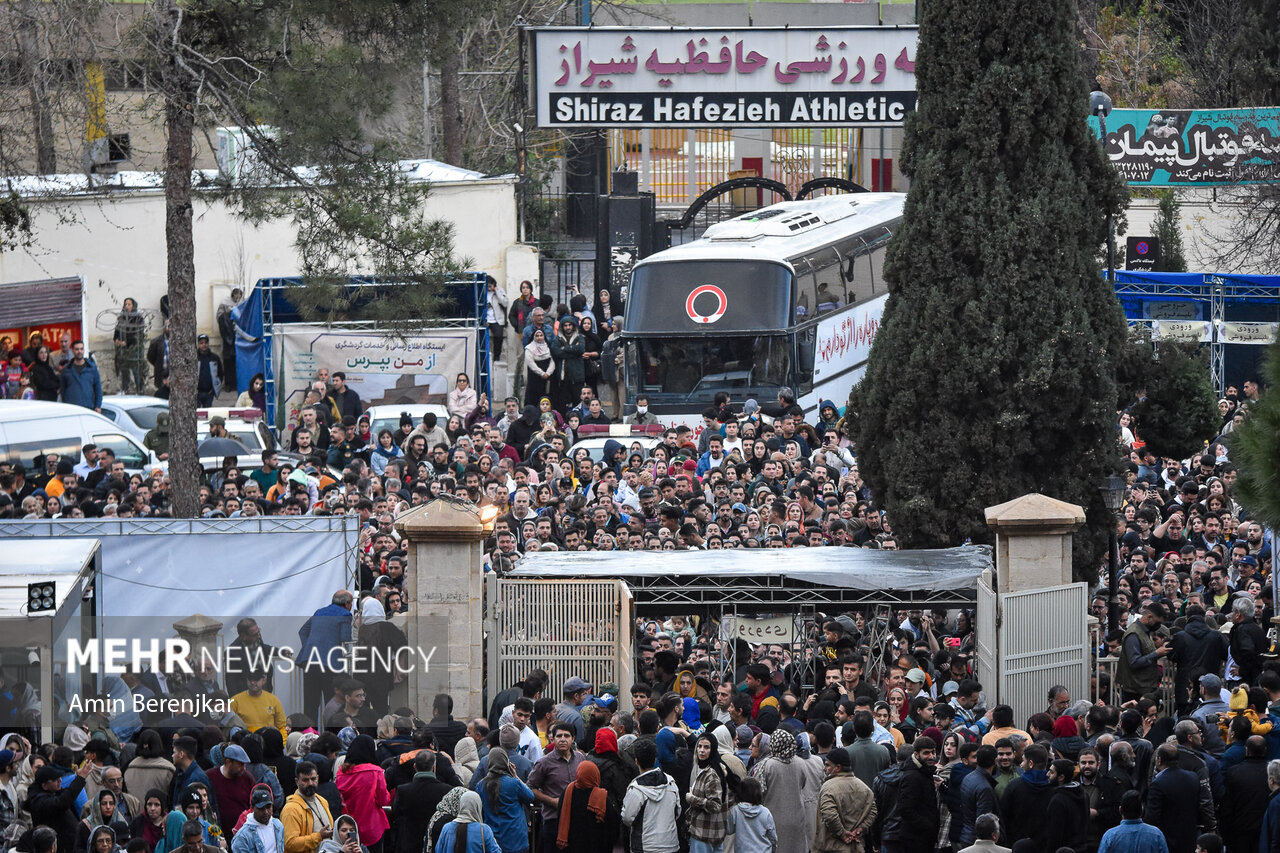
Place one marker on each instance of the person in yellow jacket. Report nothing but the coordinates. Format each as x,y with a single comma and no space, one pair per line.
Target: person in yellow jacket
306,816
257,707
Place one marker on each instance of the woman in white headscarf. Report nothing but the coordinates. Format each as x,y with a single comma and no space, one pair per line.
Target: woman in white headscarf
382,641
466,833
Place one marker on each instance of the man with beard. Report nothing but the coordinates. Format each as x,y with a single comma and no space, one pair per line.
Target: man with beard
1067,819
1088,764
306,816
912,824
1026,800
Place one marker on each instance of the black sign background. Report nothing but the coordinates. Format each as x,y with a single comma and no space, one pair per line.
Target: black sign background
1136,259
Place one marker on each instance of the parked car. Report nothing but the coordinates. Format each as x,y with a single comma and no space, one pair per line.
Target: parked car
135,414
388,417
31,431
593,438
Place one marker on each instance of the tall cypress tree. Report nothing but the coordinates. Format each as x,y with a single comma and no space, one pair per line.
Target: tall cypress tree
992,374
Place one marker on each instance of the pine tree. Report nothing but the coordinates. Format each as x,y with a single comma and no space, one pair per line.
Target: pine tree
993,373
1255,450
1177,412
1168,233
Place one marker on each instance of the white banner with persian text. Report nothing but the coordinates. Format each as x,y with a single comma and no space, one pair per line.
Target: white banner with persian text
382,369
720,77
1187,331
1248,333
779,629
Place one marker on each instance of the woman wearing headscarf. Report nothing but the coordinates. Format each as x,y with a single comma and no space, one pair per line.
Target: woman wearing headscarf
345,832
724,735
149,826
616,773
102,813
274,758
364,791
129,336
101,840
586,819
465,833
568,348
540,366
503,798
446,810
784,781
708,797
382,640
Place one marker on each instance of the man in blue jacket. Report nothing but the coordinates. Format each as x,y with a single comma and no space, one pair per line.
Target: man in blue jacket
250,838
322,634
81,384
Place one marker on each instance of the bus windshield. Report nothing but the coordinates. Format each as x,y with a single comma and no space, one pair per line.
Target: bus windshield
692,370
715,297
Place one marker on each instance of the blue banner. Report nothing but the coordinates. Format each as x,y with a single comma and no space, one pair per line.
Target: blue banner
1193,147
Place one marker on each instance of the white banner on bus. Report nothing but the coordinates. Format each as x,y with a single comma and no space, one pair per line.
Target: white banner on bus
1247,333
844,340
1190,331
380,368
745,76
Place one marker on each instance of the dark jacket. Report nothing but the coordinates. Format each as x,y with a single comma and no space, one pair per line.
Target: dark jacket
57,811
570,367
1197,649
523,429
1269,841
1248,642
448,732
1243,805
1024,805
885,789
977,797
1111,789
45,381
1173,807
412,807
1067,819
81,385
913,823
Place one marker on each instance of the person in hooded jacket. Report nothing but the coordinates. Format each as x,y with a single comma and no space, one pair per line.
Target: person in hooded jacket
616,774
751,823
828,416
913,823
1197,650
102,813
364,791
523,429
1066,823
1025,800
101,840
651,808
568,347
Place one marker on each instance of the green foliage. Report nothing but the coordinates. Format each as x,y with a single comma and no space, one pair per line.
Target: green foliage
1255,450
1256,52
1139,63
1168,230
1179,413
995,361
15,223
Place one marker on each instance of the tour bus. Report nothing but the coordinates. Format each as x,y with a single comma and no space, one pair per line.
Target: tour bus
789,295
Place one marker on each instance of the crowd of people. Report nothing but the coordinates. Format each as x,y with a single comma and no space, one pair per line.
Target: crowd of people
842,743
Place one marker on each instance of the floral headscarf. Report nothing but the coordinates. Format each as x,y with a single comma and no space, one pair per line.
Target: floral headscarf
782,743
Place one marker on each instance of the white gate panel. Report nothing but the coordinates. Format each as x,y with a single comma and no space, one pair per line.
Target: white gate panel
986,637
569,628
1043,641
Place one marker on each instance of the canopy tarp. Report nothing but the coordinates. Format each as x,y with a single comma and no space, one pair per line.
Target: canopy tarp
846,568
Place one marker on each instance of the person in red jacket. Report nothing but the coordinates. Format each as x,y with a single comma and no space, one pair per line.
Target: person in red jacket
364,791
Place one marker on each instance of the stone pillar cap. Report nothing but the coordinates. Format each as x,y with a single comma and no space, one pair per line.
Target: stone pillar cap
1034,514
197,623
441,521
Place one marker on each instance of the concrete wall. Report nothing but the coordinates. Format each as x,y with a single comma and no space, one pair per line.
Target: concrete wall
116,244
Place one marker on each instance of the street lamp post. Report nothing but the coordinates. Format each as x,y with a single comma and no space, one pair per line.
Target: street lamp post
1113,490
1100,106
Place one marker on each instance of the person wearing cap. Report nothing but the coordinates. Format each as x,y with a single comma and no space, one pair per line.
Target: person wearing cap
570,708
846,807
256,706
262,831
231,785
53,806
208,374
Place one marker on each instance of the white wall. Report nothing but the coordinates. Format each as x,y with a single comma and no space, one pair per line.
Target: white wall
116,244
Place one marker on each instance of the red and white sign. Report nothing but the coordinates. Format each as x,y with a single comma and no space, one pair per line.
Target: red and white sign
706,289
844,340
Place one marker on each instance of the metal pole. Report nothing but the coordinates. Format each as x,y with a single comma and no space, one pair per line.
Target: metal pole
426,110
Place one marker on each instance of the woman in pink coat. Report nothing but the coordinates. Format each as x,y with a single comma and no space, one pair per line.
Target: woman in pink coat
364,791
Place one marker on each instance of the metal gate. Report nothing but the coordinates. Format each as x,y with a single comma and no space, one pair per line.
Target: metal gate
583,628
985,636
1043,640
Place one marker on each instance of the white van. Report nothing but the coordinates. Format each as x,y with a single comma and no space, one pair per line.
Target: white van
30,431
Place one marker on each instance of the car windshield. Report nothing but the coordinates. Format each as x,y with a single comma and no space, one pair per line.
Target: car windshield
692,370
145,416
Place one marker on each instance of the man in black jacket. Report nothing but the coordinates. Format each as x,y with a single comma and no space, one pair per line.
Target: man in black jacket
1067,820
1247,795
415,802
446,729
1248,641
1174,803
1027,798
913,825
1197,650
53,806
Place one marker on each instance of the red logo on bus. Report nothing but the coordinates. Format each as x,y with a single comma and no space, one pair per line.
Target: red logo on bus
721,305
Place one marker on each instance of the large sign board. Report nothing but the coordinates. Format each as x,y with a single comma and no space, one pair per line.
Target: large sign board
730,77
844,340
1194,147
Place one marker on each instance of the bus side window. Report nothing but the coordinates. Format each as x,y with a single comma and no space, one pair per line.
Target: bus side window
827,271
806,348
806,292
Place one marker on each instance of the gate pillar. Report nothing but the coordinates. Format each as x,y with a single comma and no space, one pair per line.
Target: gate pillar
1033,541
445,589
